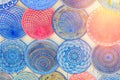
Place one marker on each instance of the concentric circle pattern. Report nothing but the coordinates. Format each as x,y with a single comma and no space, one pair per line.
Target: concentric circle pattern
78,3
69,23
41,56
18,12
110,77
6,4
74,56
82,76
25,76
53,76
39,4
10,24
12,56
103,26
37,23
111,4
106,59
5,76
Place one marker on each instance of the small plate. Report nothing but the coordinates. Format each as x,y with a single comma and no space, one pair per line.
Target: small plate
41,56
53,76
69,23
82,76
37,23
106,59
12,56
74,56
10,24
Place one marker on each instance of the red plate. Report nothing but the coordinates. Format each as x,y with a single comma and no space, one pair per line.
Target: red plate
37,23
82,76
103,27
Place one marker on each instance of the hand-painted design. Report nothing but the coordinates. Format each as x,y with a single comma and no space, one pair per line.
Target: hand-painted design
39,4
53,76
78,3
18,12
69,23
102,22
5,76
10,24
37,23
41,56
106,59
74,56
25,76
82,76
110,77
12,56
111,4
6,4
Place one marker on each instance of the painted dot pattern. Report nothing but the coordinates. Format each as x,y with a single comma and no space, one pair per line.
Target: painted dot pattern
10,23
37,23
12,56
74,56
7,4
82,76
53,76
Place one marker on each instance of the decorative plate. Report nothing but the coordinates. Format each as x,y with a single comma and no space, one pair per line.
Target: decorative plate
82,76
103,26
53,76
69,23
106,59
41,56
12,56
25,76
37,23
74,56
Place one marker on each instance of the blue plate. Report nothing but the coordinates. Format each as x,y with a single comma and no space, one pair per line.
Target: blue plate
74,56
18,12
10,25
69,23
5,76
39,4
41,56
6,4
12,56
106,59
25,76
110,77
